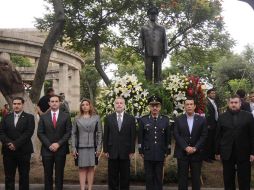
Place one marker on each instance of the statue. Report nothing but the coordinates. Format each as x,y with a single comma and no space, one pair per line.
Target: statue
153,45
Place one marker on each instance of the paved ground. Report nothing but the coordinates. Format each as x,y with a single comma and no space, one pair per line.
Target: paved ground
100,187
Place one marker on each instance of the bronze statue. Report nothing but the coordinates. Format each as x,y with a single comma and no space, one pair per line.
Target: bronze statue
153,44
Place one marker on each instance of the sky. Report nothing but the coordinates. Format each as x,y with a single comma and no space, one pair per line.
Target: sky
238,16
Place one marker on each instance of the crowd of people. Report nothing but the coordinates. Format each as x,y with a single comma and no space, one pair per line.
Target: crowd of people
228,137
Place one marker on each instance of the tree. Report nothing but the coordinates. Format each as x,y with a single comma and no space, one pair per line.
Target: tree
230,71
53,36
197,61
116,23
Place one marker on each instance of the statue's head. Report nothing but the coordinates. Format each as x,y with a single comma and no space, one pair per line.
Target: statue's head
152,13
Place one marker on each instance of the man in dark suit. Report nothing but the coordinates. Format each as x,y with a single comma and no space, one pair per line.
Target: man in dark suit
154,143
212,115
190,133
16,131
119,145
54,130
235,144
153,41
244,105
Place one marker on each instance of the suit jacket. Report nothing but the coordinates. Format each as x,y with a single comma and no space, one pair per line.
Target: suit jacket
153,39
48,134
210,115
119,144
84,129
235,130
20,135
184,138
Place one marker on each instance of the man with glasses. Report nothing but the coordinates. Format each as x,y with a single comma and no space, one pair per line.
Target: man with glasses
235,144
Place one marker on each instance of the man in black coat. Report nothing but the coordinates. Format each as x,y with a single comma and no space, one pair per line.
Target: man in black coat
16,131
235,144
212,115
119,145
244,105
190,132
154,143
54,130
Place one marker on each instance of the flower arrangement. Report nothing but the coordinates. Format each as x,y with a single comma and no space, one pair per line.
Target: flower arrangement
130,89
179,87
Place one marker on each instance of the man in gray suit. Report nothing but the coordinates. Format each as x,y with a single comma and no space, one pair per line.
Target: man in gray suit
153,42
54,130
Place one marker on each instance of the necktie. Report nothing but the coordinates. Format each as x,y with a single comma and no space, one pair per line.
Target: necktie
16,118
119,121
54,119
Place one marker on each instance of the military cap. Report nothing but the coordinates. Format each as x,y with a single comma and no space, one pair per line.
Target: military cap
154,100
153,10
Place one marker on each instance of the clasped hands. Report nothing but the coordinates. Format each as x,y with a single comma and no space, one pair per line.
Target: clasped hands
54,147
190,150
11,146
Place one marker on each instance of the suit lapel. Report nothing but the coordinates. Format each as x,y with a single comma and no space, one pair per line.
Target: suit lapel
185,124
195,123
115,124
50,119
124,121
21,117
58,121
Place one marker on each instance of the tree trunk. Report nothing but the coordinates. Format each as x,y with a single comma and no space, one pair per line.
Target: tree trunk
250,2
98,64
90,92
11,86
46,50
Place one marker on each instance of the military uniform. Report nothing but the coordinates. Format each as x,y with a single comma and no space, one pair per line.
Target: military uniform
154,143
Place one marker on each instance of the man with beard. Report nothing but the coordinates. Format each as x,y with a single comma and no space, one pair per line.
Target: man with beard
235,144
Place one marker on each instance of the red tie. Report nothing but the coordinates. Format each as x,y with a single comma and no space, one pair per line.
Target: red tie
54,119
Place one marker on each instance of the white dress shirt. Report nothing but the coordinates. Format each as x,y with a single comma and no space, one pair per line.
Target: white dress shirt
52,114
190,121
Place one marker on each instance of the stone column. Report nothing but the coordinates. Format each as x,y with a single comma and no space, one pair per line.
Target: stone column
63,80
55,86
5,55
75,89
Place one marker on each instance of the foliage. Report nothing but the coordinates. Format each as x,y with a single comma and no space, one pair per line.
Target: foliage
130,89
20,61
197,61
236,84
190,24
179,87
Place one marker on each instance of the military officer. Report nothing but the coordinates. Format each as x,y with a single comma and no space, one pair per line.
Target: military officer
154,143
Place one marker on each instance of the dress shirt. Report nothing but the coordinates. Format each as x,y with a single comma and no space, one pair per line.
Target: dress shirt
252,106
16,117
57,113
215,108
117,115
190,120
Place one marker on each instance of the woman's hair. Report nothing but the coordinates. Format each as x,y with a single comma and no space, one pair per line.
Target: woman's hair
92,110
